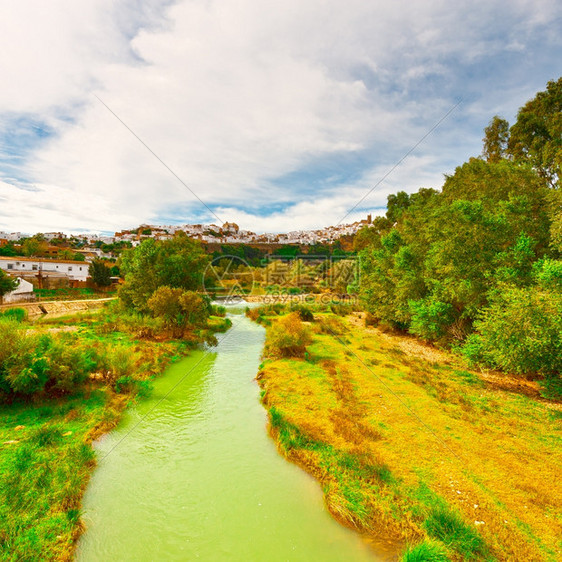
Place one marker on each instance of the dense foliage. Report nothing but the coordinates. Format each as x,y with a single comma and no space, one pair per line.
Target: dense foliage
178,263
481,254
31,363
7,284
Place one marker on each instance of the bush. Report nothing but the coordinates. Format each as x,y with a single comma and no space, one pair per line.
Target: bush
304,312
548,274
218,310
288,337
331,325
178,308
31,363
430,318
17,314
521,331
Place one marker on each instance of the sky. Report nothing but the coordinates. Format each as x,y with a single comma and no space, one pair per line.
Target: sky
278,116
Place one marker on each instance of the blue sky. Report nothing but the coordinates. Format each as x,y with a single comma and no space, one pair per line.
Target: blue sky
279,116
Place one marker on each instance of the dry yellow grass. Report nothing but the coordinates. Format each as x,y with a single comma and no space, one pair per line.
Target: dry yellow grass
394,429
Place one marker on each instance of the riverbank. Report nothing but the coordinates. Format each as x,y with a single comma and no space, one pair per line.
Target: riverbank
46,454
417,451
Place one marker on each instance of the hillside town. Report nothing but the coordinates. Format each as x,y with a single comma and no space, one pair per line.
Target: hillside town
55,260
228,233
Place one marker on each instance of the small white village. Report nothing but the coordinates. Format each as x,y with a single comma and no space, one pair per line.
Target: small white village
228,233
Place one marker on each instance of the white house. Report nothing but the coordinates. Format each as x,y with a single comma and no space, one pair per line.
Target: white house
74,270
22,293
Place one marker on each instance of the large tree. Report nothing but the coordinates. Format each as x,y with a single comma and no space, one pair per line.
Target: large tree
176,263
536,136
432,271
100,273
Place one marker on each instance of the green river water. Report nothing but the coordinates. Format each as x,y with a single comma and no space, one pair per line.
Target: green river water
199,477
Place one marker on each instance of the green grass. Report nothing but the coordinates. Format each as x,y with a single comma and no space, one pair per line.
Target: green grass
45,462
449,527
388,474
427,551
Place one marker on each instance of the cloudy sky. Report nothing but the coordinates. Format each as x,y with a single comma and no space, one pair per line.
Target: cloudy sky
277,115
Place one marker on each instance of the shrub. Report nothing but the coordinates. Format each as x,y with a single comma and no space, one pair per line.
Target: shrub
179,308
120,362
521,331
304,312
430,318
30,363
371,320
341,309
548,274
331,325
288,337
218,310
17,314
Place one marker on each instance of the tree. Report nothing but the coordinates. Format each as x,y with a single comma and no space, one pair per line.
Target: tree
8,250
396,205
432,271
7,284
179,309
35,246
176,263
536,136
496,136
100,273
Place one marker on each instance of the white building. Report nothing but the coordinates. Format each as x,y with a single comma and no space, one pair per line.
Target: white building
22,293
74,270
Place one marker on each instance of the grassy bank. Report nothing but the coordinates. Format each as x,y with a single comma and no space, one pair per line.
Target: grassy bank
46,454
414,450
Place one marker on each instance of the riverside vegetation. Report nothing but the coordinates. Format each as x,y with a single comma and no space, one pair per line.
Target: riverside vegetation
410,443
64,381
417,444
411,447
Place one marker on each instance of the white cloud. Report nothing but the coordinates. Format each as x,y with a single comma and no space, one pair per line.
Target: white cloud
234,95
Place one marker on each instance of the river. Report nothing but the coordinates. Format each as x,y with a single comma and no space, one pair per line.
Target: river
199,477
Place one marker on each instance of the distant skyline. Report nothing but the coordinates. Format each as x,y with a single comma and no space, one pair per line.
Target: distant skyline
278,116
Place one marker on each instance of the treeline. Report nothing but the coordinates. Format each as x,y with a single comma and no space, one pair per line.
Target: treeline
477,264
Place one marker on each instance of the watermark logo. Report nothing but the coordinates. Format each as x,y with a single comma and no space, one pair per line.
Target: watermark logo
228,278
305,272
283,278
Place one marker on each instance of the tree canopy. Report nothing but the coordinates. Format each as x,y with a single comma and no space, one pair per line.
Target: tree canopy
175,263
7,284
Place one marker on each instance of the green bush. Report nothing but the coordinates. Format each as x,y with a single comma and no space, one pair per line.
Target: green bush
521,331
331,325
218,310
17,314
178,308
548,274
288,337
430,318
304,312
32,363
